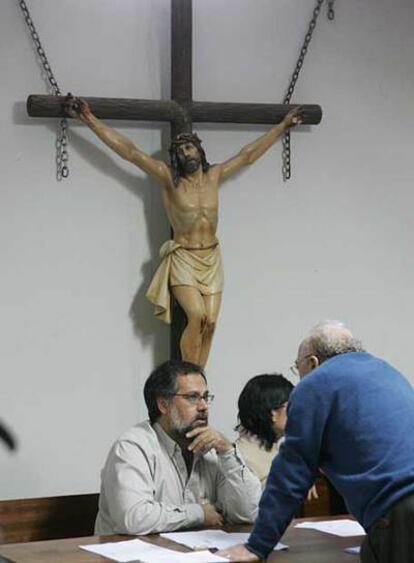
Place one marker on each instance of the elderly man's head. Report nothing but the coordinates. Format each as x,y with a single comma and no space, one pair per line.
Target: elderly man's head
325,340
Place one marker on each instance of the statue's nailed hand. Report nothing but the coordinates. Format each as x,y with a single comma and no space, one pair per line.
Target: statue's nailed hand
75,107
294,117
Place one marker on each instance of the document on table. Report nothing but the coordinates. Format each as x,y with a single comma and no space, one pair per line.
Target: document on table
342,528
205,539
144,552
354,550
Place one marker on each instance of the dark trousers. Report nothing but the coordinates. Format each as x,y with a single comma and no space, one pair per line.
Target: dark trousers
391,538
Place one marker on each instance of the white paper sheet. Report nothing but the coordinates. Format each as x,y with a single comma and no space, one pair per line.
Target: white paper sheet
205,539
144,552
355,550
342,528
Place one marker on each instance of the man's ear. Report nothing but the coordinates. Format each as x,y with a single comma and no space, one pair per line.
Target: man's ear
162,404
273,415
314,361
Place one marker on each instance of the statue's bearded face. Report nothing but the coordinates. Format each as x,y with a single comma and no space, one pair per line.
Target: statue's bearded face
188,157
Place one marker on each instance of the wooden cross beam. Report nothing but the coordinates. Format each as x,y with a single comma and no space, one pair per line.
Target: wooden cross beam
181,110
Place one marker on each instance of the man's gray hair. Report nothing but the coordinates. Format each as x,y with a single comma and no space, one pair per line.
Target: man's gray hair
330,338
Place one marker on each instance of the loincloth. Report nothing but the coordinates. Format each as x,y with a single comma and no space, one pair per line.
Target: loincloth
181,266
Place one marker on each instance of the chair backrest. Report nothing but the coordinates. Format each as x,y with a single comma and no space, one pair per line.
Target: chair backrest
33,519
328,503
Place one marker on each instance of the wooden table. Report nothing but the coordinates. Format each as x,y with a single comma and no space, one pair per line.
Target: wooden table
305,546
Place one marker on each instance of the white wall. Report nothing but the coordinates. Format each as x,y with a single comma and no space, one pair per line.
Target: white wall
76,335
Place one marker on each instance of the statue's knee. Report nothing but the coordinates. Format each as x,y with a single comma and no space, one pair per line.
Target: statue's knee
204,324
210,327
197,319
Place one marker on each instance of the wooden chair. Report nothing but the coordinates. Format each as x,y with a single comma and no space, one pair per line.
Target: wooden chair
24,520
329,503
34,519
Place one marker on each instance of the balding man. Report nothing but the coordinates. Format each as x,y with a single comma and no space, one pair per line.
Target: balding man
352,416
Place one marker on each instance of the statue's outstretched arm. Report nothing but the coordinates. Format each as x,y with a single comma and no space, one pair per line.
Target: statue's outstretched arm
251,152
79,109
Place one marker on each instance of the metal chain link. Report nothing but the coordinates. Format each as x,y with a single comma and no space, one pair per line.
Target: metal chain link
331,11
62,156
286,153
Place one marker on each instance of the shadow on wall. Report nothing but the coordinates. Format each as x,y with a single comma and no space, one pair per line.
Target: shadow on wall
7,437
146,327
149,330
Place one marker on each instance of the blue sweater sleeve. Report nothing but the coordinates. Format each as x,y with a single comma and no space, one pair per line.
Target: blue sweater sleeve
294,469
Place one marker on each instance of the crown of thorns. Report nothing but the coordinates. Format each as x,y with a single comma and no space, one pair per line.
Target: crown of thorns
184,138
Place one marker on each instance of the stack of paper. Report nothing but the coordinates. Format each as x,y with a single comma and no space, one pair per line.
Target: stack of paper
342,528
144,552
207,539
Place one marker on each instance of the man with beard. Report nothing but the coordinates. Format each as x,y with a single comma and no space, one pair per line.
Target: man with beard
175,471
191,267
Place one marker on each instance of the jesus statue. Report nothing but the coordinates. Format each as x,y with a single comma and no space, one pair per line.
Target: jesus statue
191,267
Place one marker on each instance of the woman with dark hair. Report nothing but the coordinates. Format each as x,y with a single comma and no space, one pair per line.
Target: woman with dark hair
262,420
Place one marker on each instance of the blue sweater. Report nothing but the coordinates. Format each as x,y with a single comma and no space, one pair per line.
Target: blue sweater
354,418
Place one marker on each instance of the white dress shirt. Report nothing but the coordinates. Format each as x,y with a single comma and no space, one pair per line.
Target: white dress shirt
146,488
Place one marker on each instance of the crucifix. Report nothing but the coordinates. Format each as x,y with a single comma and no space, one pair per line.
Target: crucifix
193,252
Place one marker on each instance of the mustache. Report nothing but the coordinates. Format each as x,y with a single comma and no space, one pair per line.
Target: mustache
201,418
191,157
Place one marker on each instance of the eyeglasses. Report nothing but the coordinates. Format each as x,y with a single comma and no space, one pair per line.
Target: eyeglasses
294,368
195,398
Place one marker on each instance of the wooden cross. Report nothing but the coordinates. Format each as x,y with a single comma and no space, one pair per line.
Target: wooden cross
180,111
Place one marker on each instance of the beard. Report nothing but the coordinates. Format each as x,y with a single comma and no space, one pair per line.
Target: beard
191,165
179,428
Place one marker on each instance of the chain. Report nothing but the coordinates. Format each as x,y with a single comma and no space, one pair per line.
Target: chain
286,153
331,11
62,170
62,156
